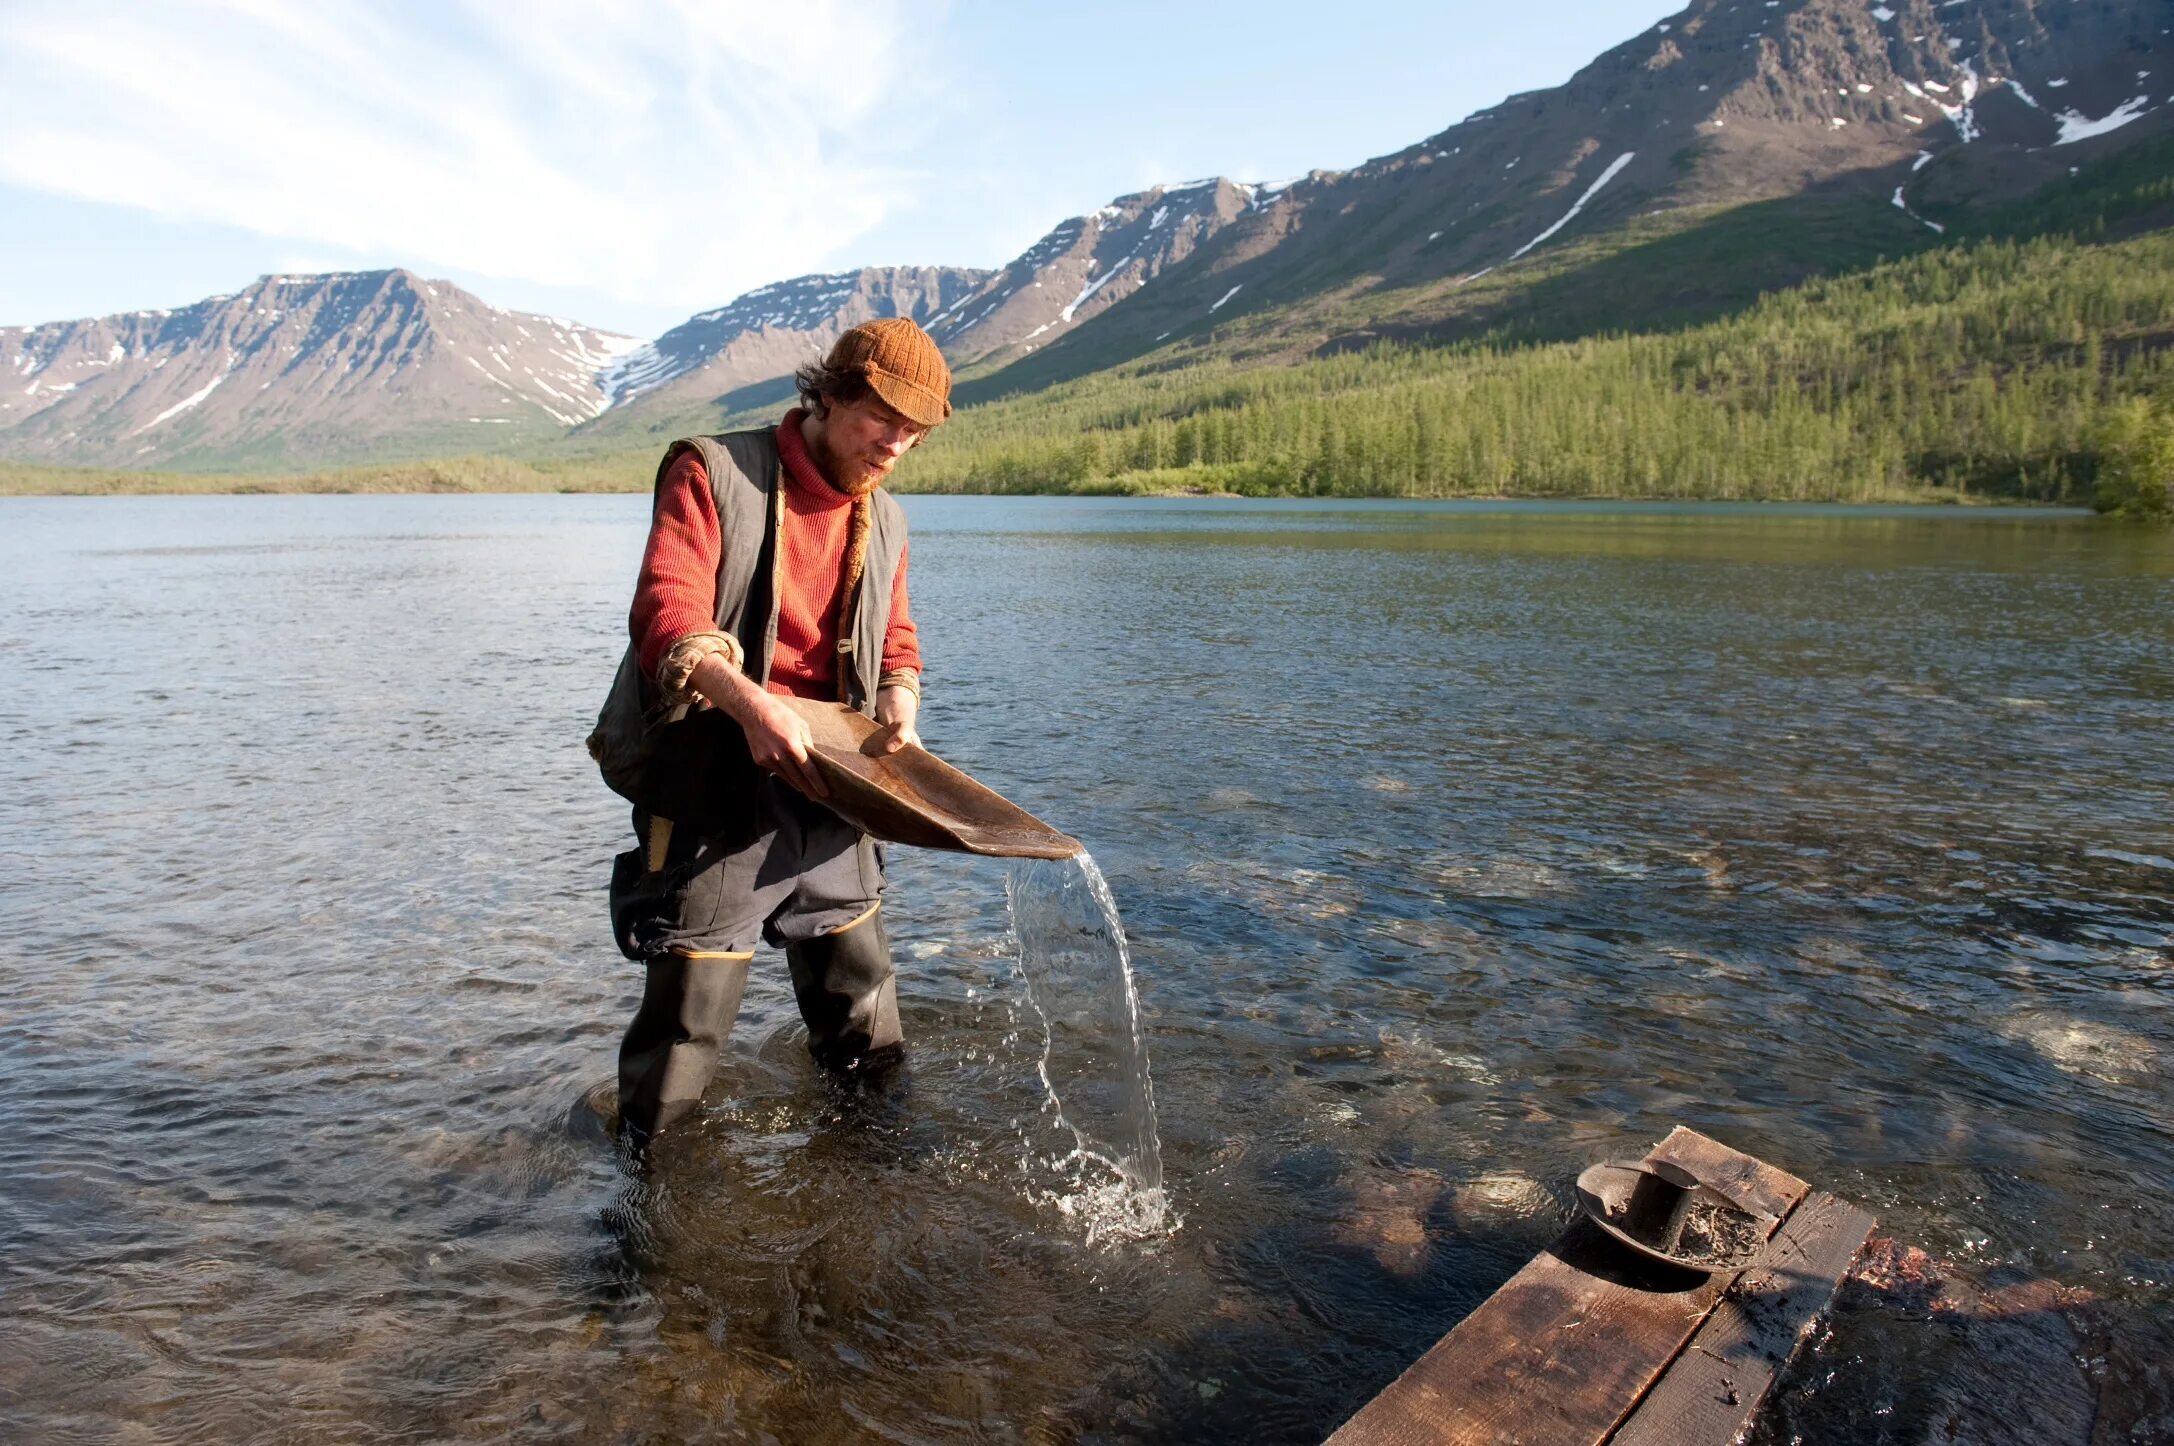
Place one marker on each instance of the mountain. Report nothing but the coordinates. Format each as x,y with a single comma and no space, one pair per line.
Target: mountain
297,371
1739,146
717,361
742,355
1087,265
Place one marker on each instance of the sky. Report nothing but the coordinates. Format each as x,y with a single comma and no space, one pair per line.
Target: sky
627,163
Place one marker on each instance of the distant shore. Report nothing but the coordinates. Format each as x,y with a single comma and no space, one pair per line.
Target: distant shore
450,475
480,476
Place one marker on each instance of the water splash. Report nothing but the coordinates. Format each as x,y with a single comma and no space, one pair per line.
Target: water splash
1105,1173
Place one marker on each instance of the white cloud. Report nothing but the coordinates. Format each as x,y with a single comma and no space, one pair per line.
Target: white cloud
669,152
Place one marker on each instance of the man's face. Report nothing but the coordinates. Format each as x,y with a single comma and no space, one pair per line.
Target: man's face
858,443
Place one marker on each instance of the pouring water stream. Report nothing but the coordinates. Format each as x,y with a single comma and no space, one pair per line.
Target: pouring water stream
1073,958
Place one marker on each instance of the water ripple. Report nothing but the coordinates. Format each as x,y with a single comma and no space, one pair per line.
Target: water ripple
1458,849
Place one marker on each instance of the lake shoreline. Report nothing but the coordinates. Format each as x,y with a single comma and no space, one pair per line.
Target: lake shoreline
428,480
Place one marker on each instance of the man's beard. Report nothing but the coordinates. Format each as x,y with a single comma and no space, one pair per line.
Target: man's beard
854,479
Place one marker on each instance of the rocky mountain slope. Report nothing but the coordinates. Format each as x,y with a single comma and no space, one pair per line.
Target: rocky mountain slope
1863,124
738,355
1739,146
1088,265
298,371
769,332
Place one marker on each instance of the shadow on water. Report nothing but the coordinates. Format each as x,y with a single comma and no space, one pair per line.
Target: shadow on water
1915,1352
1309,1320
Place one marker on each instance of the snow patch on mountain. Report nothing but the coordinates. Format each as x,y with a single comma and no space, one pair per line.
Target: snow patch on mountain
187,403
1614,168
1096,285
641,369
1966,124
1904,207
2076,126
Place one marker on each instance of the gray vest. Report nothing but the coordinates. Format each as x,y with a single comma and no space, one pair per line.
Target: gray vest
689,765
747,479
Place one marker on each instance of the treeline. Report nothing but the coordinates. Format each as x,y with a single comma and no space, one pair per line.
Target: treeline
1989,369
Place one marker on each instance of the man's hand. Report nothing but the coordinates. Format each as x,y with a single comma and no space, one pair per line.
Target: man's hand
896,708
777,737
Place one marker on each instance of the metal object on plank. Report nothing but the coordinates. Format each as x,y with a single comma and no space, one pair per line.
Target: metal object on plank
914,797
1660,1200
1667,1213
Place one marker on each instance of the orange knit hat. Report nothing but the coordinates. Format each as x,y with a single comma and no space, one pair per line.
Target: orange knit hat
902,365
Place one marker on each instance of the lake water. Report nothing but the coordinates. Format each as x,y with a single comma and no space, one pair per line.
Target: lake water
1459,847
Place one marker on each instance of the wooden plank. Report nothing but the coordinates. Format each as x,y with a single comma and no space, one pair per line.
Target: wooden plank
1713,1390
1753,1183
1560,1354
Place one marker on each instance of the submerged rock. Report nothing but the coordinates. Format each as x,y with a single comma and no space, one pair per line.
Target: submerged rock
2084,1046
1712,865
1412,1051
1497,878
1388,1216
1501,1193
1286,895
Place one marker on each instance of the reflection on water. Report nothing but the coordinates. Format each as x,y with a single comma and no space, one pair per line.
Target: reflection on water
1459,846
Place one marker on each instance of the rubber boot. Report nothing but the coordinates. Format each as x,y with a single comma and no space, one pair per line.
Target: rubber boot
849,996
670,1050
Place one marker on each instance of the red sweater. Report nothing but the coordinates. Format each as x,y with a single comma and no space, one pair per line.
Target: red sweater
677,592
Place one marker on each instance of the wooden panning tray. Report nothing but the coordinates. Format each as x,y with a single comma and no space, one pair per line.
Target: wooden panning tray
914,797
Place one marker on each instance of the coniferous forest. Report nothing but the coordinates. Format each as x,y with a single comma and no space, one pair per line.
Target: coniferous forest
1997,370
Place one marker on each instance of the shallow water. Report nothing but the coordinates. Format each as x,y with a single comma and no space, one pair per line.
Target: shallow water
1458,847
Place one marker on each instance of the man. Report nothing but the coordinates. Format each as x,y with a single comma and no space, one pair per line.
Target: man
775,568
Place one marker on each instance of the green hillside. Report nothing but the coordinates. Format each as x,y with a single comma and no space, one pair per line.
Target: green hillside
1986,368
